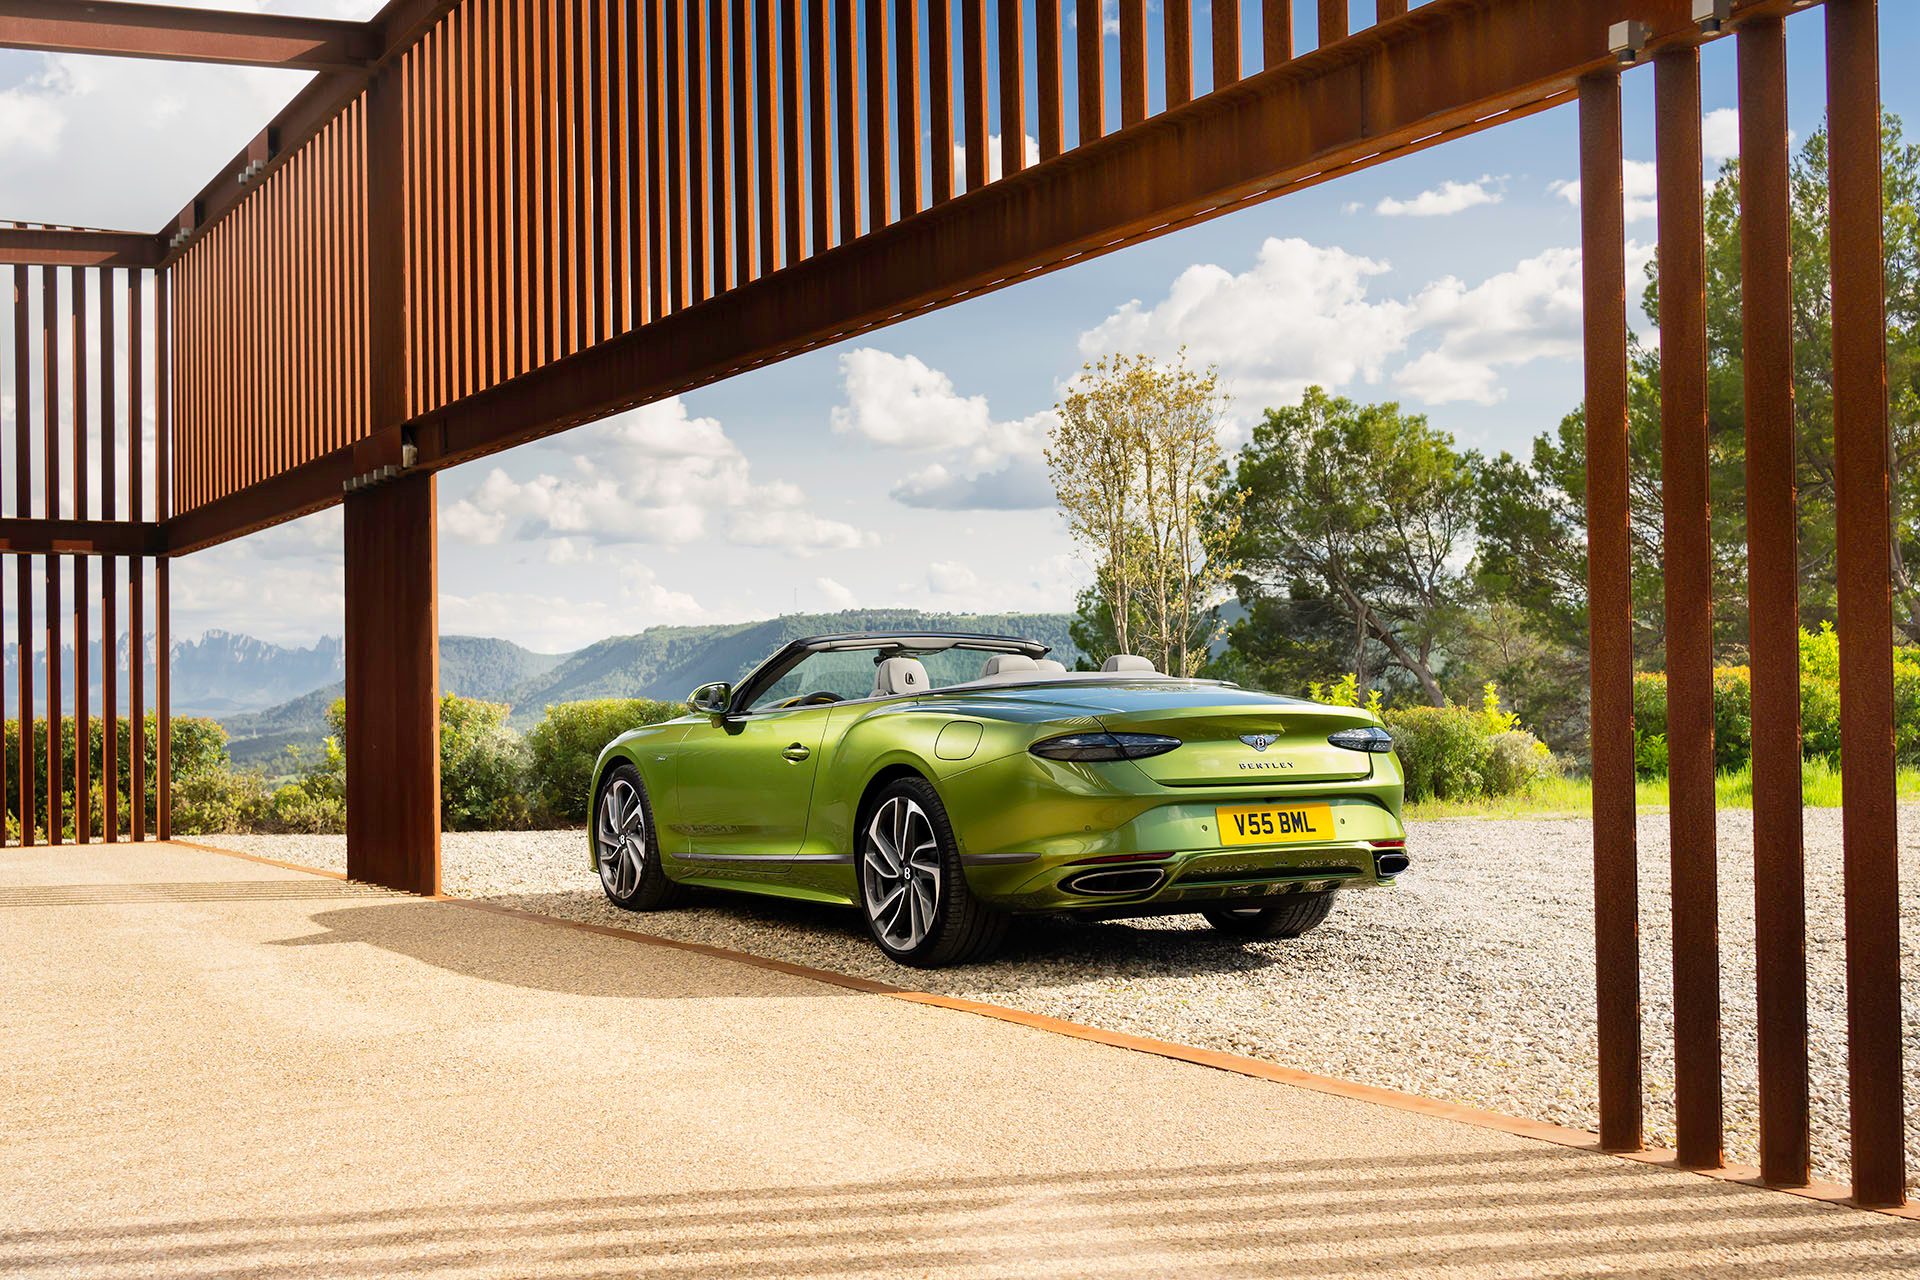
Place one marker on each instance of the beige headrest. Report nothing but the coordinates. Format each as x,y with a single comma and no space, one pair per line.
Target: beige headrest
1126,662
1049,665
899,675
1007,663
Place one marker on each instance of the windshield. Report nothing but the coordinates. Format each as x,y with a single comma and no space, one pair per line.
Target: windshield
836,676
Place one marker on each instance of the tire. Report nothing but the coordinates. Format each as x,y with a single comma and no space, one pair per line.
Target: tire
625,849
1300,913
918,908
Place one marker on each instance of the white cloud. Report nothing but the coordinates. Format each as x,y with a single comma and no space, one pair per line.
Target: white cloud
1532,312
653,474
836,596
899,402
285,584
1449,197
561,623
951,578
800,532
1030,152
1010,586
30,117
1306,315
1640,183
1300,315
1720,134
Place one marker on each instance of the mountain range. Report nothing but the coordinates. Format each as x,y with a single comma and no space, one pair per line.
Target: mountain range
661,662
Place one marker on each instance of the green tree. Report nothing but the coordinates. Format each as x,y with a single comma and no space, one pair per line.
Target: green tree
1359,518
1136,463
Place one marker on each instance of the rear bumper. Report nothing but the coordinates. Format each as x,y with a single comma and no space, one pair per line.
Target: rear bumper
1185,880
1036,836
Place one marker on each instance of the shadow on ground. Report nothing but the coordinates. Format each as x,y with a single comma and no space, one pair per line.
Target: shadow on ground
829,937
534,955
1515,1212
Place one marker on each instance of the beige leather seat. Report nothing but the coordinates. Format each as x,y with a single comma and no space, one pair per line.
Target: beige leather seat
1006,664
1124,662
896,676
1050,666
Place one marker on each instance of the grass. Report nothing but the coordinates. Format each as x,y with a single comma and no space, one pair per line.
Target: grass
1573,797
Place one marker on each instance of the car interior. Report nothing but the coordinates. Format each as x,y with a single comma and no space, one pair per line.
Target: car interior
836,676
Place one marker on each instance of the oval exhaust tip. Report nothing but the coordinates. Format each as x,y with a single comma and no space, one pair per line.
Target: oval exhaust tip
1118,883
1390,862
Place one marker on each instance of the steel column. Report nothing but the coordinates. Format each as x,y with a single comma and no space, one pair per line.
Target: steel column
393,687
393,671
1689,610
1089,70
1774,602
1861,464
1616,907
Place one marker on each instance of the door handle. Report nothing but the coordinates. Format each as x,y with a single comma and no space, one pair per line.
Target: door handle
796,753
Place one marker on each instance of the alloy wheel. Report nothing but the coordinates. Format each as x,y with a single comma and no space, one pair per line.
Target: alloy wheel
622,835
900,873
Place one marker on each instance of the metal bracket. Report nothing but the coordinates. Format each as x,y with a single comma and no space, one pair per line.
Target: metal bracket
1628,40
1712,16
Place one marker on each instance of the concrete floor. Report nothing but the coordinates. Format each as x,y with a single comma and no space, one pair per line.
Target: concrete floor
216,1068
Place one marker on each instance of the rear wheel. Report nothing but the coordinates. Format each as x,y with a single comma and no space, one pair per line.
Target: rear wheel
912,890
630,870
1286,919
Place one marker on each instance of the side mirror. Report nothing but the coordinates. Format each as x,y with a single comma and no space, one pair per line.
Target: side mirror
711,699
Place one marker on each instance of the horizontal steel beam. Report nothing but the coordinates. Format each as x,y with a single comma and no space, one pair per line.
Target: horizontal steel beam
1448,68
72,247
168,32
35,537
392,31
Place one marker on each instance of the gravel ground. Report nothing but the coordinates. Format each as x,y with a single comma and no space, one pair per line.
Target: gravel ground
1470,981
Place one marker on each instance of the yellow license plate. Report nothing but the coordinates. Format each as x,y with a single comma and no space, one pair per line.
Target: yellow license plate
1274,824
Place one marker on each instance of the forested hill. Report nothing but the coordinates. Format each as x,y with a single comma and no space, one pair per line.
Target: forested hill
661,662
667,662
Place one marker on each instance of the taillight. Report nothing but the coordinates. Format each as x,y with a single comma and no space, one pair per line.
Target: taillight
1367,738
1083,747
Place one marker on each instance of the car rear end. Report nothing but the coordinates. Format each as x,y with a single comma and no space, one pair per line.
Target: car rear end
1180,798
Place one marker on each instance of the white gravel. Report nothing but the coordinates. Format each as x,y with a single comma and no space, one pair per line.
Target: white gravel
1469,981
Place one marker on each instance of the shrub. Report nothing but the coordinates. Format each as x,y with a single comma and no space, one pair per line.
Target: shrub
1906,705
296,809
483,768
197,746
207,801
1732,718
566,743
1649,724
1516,760
1445,751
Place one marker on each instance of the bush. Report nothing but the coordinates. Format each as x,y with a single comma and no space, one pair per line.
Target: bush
1445,751
1732,718
483,768
1649,724
1516,760
198,746
566,743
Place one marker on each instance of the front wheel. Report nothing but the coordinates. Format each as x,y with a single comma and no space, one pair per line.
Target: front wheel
913,893
1289,919
630,870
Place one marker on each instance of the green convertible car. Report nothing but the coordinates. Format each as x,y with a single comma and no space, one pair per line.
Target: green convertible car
942,783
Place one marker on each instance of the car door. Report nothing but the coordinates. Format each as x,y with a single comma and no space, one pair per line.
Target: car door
745,784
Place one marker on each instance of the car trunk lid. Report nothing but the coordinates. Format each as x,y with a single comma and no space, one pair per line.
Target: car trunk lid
1266,746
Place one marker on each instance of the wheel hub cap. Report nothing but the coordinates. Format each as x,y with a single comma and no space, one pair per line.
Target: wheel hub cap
621,833
900,873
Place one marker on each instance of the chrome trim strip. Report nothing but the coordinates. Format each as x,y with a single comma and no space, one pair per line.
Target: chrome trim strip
767,859
997,859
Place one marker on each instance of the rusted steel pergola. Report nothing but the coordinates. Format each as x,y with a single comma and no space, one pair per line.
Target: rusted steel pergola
486,221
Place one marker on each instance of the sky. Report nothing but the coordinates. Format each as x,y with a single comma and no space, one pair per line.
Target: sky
903,467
